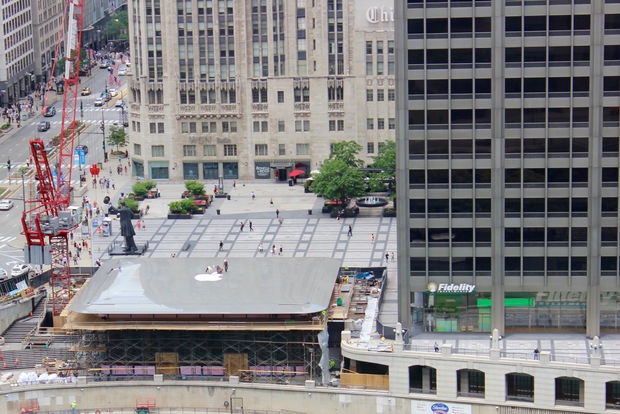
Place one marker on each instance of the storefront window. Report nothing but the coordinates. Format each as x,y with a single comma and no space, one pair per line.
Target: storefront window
190,171
159,170
138,169
262,170
231,170
547,310
210,171
456,312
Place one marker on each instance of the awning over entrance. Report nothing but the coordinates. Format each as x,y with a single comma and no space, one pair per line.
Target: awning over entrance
279,165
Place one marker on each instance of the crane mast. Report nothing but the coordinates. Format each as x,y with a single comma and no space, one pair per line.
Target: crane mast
48,219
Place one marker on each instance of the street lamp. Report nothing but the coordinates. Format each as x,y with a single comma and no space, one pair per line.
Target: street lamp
105,154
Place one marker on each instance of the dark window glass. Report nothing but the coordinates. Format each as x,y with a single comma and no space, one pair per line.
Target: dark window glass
483,263
610,114
417,206
512,54
559,145
579,234
483,85
610,144
610,174
581,53
609,234
461,116
579,263
483,234
580,145
437,26
512,85
415,56
417,235
534,175
416,87
461,25
461,86
438,177
416,117
512,175
581,84
534,85
437,146
559,54
483,205
558,175
579,175
535,54
559,85
557,205
512,234
559,114
461,55
438,205
483,146
535,23
437,117
461,146
460,205
416,147
483,24
513,146
609,263
416,177
579,204
512,116
557,263
562,22
513,24
462,176
512,264
415,26
534,145
609,204
512,205
483,55
581,22
612,21
557,234
533,205
437,86
533,263
612,52
436,56
483,116
581,114
611,84
533,115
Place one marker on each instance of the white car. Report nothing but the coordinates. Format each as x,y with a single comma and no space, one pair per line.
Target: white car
112,92
120,103
122,72
6,204
20,269
3,274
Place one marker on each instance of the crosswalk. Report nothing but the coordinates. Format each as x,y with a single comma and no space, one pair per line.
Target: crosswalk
7,239
28,181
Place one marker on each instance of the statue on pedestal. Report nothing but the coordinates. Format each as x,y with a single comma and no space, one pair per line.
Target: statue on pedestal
127,230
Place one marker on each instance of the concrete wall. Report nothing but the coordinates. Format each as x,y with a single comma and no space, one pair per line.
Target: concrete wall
191,395
15,311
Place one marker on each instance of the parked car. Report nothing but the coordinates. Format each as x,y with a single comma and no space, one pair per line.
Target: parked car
82,148
120,103
43,126
86,91
99,102
20,269
3,274
122,71
49,111
6,204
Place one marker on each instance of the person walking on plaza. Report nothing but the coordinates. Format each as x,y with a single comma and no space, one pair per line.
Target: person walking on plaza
273,249
226,265
350,232
387,257
221,245
260,247
372,237
241,225
280,253
277,213
253,195
250,224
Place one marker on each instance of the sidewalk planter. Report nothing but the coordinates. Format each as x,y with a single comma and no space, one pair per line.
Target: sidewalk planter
389,212
179,216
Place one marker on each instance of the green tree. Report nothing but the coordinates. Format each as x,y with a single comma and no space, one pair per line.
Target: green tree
117,27
195,188
385,162
339,181
346,151
117,137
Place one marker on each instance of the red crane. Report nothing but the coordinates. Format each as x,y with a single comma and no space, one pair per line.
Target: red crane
48,218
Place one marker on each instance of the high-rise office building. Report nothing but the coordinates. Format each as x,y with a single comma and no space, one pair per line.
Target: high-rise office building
255,88
508,140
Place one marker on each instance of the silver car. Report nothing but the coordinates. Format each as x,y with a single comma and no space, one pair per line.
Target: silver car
3,274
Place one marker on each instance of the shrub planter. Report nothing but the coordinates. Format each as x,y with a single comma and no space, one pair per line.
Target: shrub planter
389,212
198,210
221,195
179,216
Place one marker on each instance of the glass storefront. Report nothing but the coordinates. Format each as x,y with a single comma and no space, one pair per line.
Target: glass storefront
210,170
137,168
231,170
456,312
159,170
545,310
190,171
610,311
262,170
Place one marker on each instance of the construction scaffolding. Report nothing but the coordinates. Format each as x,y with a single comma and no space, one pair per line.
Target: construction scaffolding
254,356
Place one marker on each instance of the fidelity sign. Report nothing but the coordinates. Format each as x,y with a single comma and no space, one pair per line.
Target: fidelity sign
434,287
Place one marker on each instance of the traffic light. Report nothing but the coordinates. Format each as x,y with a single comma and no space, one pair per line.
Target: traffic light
8,165
102,126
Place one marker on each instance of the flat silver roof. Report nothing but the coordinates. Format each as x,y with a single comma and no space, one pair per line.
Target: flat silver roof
157,286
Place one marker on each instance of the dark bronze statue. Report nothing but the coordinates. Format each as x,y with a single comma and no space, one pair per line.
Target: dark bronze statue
127,230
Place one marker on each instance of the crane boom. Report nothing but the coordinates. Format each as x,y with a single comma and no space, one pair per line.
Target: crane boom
47,220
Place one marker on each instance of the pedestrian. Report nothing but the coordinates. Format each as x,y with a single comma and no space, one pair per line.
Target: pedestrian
273,249
221,245
393,256
280,220
251,228
260,247
387,257
372,237
436,347
271,201
350,232
143,225
73,407
234,184
225,265
253,195
280,252
536,354
277,212
138,225
241,225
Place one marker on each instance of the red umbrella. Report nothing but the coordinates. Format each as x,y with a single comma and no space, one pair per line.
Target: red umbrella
296,173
